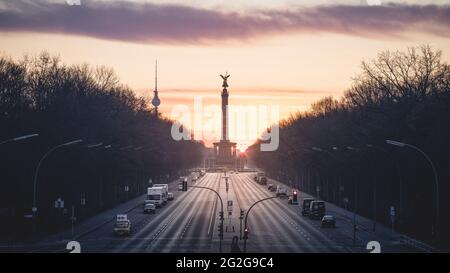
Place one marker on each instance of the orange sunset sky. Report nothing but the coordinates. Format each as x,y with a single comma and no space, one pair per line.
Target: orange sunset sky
286,53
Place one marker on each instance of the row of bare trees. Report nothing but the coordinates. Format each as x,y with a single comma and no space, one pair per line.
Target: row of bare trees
61,103
338,149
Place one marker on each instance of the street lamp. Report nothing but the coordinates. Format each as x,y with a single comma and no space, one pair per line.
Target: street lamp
19,138
402,145
34,209
95,145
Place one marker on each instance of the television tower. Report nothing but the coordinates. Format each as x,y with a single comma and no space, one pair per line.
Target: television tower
156,101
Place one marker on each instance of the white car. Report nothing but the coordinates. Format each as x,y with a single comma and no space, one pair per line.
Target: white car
149,207
122,225
170,196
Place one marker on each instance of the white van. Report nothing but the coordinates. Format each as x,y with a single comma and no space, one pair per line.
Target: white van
165,191
155,196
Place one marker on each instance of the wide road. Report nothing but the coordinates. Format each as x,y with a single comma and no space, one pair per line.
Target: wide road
185,224
190,224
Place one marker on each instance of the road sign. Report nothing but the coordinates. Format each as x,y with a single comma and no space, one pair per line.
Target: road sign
392,211
59,203
83,200
230,205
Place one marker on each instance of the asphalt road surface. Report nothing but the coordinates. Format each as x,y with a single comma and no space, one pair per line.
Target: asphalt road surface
189,223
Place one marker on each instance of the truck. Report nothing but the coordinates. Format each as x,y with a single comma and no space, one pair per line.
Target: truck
165,192
122,225
155,196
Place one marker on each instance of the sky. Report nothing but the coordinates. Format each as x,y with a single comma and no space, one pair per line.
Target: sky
279,52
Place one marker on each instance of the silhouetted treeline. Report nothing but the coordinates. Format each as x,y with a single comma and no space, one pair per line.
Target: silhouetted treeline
340,145
63,103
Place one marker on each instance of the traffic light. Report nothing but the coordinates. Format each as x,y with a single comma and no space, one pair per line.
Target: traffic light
221,215
294,197
245,233
184,185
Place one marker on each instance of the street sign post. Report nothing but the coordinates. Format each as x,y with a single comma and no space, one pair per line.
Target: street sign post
392,214
230,205
59,203
346,202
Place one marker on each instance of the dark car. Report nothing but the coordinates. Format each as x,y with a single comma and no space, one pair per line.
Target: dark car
263,180
317,210
306,205
328,221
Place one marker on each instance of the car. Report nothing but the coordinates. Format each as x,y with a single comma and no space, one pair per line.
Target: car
306,205
328,221
149,208
317,210
181,181
270,186
281,192
170,196
122,225
262,180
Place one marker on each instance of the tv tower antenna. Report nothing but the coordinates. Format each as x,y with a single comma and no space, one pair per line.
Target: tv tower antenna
156,101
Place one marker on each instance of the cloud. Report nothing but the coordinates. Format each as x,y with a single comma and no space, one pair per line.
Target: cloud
156,23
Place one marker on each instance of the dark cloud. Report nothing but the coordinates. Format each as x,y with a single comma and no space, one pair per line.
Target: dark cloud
138,22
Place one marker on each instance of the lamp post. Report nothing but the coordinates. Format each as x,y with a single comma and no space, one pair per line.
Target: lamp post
246,217
19,138
34,208
436,180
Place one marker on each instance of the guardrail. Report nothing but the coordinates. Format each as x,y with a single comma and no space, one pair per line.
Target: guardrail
417,244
